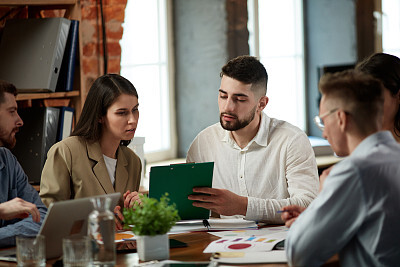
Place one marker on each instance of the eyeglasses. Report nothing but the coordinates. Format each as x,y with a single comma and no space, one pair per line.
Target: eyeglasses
318,119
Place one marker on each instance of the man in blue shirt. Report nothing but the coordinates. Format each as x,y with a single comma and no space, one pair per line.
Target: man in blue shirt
21,210
357,212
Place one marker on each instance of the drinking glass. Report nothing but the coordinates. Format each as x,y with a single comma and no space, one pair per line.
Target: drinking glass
31,251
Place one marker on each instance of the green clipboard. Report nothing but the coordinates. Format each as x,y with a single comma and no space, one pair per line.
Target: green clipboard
178,180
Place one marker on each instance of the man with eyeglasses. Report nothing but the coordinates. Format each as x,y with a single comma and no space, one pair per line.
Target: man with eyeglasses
357,213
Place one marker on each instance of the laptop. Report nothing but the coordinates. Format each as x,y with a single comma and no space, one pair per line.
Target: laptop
63,218
178,181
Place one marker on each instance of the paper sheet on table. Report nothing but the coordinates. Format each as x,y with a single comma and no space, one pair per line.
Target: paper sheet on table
215,225
250,232
274,256
246,243
124,236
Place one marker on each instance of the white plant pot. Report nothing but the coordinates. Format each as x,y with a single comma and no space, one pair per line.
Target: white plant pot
153,247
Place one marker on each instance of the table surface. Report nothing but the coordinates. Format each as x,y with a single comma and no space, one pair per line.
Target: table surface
327,161
196,241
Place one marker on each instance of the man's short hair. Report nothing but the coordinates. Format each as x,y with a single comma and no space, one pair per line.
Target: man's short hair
357,93
6,87
247,70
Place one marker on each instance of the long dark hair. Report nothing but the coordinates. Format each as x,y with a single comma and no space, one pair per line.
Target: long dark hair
386,68
102,94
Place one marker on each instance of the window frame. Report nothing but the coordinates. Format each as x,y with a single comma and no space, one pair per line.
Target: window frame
254,48
171,152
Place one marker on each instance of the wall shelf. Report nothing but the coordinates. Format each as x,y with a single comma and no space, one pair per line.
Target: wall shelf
29,96
37,2
74,98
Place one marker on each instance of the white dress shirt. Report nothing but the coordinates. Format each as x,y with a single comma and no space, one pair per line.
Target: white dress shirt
356,214
277,168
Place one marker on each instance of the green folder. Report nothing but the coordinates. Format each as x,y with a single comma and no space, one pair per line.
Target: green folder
178,180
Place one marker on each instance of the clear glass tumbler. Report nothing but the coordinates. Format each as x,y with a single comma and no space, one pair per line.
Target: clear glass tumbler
31,251
76,251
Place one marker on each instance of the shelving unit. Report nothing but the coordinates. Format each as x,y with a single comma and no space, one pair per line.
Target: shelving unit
25,96
72,11
37,2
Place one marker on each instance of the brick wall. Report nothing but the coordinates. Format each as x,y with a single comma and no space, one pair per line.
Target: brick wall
92,50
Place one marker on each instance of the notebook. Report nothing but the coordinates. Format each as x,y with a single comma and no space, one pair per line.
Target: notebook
178,181
63,218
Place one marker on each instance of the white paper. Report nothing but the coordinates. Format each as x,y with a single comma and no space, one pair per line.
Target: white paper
250,232
274,256
245,243
124,236
231,224
215,225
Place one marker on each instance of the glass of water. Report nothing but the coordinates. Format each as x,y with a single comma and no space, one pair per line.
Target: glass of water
76,251
31,251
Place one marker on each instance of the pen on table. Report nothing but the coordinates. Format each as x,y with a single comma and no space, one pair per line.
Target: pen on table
206,224
119,219
129,239
282,211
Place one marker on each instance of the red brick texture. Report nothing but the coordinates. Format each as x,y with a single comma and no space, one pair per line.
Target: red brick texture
92,39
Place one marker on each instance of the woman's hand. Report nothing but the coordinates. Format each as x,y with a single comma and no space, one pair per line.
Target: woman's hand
323,176
131,199
119,218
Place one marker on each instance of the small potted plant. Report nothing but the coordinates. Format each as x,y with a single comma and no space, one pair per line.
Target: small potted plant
151,221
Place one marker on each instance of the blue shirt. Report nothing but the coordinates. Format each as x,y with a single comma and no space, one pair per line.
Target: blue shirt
357,214
14,183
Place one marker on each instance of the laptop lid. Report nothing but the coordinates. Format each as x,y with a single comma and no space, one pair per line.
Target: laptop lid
178,180
66,218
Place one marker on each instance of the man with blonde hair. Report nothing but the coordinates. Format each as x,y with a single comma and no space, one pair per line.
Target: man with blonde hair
357,212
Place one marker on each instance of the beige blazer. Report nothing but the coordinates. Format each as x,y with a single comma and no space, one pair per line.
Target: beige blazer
75,168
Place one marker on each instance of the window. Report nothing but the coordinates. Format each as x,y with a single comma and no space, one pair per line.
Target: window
145,61
276,37
391,27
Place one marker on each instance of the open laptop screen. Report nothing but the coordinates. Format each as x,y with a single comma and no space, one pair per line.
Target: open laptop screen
63,219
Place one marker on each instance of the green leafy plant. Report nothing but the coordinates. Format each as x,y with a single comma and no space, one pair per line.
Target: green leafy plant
151,217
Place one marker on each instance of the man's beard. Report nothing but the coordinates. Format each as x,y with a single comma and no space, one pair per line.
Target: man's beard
237,124
7,140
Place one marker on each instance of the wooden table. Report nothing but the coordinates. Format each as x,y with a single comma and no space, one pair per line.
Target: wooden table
324,162
197,242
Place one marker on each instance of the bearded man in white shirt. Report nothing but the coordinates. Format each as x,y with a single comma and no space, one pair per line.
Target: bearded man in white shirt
261,164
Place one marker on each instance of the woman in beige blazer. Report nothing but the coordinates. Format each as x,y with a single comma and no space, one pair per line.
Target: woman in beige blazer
94,160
